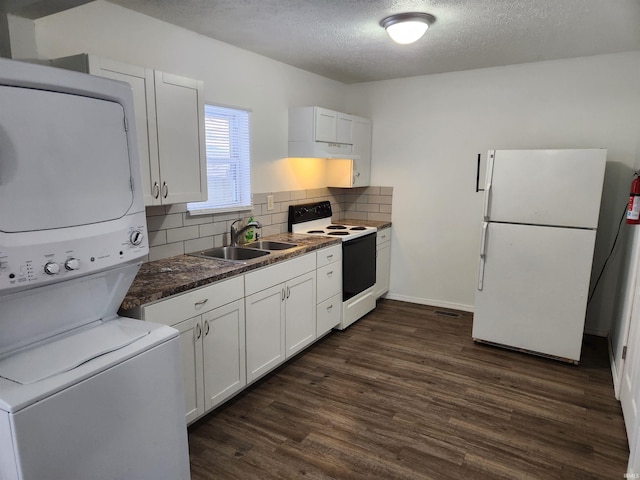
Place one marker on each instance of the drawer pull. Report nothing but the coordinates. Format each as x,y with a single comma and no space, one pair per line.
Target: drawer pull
330,307
329,273
329,257
201,302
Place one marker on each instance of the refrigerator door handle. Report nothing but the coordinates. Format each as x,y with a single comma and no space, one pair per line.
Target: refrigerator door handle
483,254
487,188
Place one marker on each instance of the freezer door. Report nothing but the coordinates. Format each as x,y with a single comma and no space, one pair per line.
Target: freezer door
545,187
535,283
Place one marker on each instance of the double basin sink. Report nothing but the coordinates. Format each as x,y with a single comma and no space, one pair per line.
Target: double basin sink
246,252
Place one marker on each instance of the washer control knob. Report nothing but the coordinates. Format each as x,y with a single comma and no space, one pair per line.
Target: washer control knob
135,237
51,268
72,264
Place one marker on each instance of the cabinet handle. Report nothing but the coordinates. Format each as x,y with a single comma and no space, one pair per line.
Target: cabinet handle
288,292
329,273
330,307
198,331
165,189
329,257
155,190
200,303
283,294
206,328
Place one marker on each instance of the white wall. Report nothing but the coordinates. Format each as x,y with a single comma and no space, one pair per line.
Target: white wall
232,76
427,132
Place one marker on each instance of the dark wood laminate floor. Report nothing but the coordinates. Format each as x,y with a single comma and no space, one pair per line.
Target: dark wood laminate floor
405,394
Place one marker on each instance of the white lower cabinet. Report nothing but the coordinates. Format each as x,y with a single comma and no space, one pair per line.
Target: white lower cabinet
191,349
212,339
280,318
329,294
234,331
223,338
213,360
383,261
300,313
265,331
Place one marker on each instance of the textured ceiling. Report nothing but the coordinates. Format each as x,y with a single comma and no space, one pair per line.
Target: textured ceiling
342,39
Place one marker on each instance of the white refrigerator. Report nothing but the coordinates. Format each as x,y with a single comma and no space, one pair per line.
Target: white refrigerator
541,211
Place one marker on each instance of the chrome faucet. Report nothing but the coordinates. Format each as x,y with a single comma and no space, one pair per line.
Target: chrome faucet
235,233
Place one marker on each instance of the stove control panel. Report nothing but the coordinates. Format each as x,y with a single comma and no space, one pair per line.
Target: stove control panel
308,212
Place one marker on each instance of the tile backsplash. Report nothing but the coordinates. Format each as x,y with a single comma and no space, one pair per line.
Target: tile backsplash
173,231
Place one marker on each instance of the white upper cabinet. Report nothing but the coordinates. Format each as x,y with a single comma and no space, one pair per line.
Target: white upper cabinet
345,139
169,125
182,175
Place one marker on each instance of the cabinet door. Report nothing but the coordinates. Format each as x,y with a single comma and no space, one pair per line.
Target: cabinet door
344,124
264,330
300,313
326,125
141,81
362,150
224,353
181,152
191,349
383,262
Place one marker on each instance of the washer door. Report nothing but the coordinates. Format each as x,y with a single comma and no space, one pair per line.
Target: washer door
64,160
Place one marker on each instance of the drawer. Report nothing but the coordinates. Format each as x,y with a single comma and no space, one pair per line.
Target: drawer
328,314
181,307
383,235
329,281
329,255
266,277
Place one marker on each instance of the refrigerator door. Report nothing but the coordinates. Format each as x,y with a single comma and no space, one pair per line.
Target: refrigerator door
545,187
532,292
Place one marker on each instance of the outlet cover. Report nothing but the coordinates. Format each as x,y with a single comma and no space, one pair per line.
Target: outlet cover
269,202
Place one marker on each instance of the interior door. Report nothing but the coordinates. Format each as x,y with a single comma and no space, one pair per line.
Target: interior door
533,289
545,187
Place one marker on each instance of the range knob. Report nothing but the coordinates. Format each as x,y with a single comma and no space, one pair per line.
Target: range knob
51,268
135,237
72,264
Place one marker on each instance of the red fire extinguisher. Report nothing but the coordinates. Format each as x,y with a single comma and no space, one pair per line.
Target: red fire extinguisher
633,207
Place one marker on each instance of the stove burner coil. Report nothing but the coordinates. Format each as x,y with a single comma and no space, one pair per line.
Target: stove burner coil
336,227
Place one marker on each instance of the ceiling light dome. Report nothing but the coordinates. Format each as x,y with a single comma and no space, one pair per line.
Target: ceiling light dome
405,28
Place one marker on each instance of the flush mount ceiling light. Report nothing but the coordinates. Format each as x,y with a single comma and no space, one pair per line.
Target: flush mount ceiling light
405,28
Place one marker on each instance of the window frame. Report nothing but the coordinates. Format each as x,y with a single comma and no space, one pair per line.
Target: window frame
239,154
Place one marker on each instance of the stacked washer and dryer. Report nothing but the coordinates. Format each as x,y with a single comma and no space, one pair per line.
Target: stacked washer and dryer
84,393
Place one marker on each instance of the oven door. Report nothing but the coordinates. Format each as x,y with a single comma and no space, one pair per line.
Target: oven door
358,265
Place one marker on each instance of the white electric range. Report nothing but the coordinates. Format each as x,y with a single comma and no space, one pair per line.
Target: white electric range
358,256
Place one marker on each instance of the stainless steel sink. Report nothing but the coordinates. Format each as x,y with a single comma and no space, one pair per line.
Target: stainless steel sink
232,254
269,245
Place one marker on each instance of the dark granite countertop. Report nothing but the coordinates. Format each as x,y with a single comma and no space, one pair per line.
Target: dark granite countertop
366,223
170,276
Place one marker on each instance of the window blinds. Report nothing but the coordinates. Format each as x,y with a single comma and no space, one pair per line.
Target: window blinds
228,161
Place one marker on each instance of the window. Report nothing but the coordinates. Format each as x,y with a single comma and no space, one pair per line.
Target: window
228,161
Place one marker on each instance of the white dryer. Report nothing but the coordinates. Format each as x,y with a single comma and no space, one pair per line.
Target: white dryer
84,393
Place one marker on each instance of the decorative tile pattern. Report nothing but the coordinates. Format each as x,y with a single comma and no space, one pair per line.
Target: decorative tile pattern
173,231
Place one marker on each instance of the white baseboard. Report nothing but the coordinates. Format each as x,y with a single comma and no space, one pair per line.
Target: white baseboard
426,301
597,333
